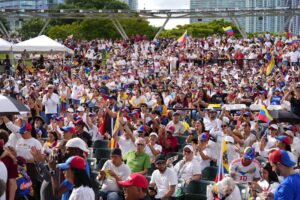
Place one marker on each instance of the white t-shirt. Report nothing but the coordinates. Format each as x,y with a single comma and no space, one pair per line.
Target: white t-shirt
23,147
210,152
3,176
81,192
163,181
186,170
51,103
122,171
126,145
245,174
210,124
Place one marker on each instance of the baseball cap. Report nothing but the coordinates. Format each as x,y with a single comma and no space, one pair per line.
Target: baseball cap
113,97
80,109
211,110
77,143
176,113
289,133
284,157
160,158
116,151
153,133
204,136
188,147
71,110
73,162
229,139
274,126
50,86
59,118
134,114
25,127
249,153
38,131
170,129
79,122
247,114
285,139
141,128
68,129
135,179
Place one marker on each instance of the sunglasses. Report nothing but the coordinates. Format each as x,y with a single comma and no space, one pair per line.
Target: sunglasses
223,126
187,151
140,144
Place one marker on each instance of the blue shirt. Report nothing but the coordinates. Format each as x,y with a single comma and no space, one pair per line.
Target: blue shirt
276,100
289,188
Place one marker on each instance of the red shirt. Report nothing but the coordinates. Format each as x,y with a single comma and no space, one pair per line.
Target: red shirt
173,141
12,171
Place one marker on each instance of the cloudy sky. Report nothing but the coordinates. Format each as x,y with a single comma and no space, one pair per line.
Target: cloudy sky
165,4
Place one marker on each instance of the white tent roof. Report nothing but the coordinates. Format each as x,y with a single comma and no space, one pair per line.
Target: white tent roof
40,44
5,46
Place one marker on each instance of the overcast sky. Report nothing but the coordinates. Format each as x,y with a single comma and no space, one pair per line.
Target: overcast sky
165,4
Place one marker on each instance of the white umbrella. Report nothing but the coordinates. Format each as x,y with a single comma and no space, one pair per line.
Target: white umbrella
9,105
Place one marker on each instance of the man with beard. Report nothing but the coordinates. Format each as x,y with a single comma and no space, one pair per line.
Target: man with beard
163,180
283,163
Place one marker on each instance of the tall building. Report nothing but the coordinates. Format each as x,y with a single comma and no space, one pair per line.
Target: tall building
133,4
252,24
15,22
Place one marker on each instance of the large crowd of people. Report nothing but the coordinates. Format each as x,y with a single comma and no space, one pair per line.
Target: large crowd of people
141,119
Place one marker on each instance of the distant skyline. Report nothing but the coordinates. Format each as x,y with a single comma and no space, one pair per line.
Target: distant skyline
165,4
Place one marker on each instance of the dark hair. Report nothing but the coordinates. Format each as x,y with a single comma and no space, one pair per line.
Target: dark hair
4,135
2,187
272,175
161,98
54,134
81,178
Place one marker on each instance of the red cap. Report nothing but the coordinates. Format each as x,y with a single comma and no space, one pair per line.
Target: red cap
135,179
75,162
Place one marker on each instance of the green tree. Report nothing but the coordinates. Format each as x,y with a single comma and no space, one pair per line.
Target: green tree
97,4
199,29
31,28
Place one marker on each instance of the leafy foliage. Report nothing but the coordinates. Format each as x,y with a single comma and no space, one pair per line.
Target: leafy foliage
31,28
200,29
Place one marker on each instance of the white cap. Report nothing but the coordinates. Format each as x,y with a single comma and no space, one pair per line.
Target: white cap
229,139
77,143
189,147
289,133
274,126
153,133
80,109
71,110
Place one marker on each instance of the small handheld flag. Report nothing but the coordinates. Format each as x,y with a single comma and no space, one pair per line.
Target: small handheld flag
223,167
228,30
182,39
271,66
113,143
264,115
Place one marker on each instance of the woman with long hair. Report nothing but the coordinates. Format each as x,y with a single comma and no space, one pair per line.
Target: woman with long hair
268,184
75,173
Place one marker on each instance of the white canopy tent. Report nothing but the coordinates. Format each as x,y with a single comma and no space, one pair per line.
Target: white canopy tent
40,44
5,46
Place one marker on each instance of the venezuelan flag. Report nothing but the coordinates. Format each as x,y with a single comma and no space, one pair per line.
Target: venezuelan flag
271,66
223,162
228,30
182,39
264,115
113,143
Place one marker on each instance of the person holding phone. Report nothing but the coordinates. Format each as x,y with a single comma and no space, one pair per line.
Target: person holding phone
113,170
